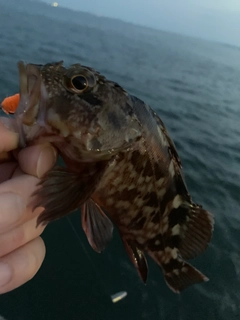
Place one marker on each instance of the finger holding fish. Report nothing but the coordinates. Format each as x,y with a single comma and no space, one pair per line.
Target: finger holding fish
8,139
17,233
16,213
37,160
17,186
19,266
19,237
7,169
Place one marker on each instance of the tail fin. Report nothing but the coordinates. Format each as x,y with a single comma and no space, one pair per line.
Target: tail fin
179,275
188,232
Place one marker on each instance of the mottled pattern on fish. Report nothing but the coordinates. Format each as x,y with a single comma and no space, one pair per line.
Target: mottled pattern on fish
146,197
121,161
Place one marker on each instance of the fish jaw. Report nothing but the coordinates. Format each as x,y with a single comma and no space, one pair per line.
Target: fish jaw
36,120
30,88
30,114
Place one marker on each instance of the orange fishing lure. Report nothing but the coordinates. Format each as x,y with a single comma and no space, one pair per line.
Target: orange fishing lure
9,104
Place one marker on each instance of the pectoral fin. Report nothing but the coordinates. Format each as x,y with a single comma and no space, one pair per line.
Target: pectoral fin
63,191
97,226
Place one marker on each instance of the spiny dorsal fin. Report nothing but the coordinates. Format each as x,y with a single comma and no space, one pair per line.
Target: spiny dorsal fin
96,225
172,148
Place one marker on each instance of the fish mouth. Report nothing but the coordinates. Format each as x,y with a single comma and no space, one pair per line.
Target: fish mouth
30,83
30,113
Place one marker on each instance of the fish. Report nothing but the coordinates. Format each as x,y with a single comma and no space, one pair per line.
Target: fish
121,169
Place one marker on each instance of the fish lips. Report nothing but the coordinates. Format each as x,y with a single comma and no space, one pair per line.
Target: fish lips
32,93
31,111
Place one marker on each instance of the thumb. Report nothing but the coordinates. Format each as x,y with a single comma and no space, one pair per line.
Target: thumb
38,159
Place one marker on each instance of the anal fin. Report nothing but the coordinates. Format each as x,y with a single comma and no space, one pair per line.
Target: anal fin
96,225
138,258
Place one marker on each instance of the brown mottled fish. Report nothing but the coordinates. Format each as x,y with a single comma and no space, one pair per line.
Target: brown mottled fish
121,167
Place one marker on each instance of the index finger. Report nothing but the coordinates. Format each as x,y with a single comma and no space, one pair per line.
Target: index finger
8,139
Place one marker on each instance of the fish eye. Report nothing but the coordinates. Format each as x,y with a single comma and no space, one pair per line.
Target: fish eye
79,83
78,80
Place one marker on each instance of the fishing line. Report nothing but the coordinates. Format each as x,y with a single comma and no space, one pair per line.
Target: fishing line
179,298
89,258
114,297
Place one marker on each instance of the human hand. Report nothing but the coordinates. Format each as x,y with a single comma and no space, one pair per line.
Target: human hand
21,249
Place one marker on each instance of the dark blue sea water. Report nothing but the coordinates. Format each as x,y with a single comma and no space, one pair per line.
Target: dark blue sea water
194,86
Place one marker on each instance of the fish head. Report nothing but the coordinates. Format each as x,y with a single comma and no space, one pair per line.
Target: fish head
76,105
